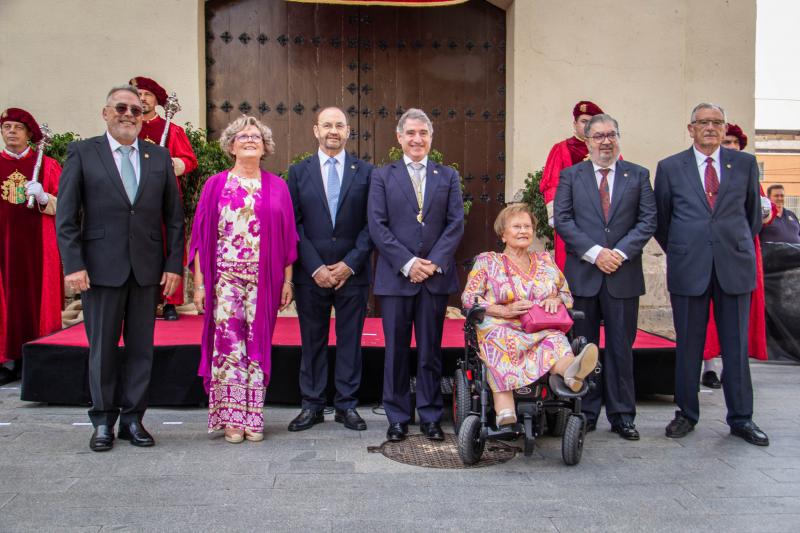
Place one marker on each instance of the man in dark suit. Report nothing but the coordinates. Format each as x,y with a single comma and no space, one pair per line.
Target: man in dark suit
113,195
416,220
709,211
329,192
606,213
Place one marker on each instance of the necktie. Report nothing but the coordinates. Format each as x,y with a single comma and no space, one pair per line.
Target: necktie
711,183
333,189
128,174
605,196
416,180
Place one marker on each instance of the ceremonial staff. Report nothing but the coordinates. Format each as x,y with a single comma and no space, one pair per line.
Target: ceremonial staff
47,135
170,108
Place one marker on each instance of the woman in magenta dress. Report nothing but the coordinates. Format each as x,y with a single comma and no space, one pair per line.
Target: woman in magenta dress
508,284
243,245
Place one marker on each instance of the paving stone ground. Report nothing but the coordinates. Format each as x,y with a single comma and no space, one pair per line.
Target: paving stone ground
324,479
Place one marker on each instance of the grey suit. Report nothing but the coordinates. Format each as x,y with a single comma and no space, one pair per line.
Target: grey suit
612,298
710,255
119,243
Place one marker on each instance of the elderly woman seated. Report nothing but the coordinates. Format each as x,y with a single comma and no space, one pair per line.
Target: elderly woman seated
507,285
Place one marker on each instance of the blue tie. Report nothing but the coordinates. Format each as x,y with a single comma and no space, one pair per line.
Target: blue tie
128,173
333,188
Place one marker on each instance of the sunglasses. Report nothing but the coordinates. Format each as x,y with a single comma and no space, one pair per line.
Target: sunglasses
121,109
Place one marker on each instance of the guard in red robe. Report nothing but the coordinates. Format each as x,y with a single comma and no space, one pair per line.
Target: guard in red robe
562,155
735,139
31,282
183,158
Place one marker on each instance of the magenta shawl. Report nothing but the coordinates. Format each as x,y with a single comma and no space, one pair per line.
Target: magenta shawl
278,249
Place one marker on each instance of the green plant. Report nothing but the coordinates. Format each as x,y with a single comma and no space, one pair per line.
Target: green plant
57,149
436,156
211,159
295,159
532,196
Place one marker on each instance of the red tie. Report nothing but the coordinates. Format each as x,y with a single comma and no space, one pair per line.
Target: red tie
711,183
605,197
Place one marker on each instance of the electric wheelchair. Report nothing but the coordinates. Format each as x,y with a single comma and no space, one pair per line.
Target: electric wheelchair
548,405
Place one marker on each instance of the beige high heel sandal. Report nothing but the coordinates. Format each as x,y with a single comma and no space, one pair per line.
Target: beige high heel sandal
233,438
253,436
583,365
506,417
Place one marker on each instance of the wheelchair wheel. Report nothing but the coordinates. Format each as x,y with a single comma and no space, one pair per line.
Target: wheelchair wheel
462,400
557,422
572,441
470,444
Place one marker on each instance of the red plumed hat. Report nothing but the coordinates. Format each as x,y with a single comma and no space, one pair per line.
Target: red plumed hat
140,82
737,132
15,114
585,107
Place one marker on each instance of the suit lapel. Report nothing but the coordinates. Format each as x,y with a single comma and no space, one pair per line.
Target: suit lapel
104,151
589,185
433,175
350,169
315,176
403,182
621,180
726,172
145,153
693,176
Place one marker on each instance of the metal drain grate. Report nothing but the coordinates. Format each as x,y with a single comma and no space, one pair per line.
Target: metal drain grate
417,450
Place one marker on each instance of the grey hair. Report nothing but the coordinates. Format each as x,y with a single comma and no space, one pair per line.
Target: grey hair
127,87
706,105
602,117
414,114
233,129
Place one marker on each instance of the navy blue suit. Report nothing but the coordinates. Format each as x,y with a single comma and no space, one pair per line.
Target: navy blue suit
710,255
613,298
399,237
321,244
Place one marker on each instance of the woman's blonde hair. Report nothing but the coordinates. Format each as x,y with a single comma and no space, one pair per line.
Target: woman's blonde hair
510,211
233,129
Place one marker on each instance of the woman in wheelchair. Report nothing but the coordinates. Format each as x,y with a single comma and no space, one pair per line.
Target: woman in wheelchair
507,285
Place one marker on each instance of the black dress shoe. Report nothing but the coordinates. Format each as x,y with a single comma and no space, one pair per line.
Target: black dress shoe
679,427
711,380
591,425
350,418
170,313
306,419
396,432
102,439
626,430
432,430
136,434
751,433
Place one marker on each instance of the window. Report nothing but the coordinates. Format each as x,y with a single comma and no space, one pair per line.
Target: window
760,171
792,203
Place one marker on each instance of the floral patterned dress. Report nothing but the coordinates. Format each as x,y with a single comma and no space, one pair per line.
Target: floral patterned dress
236,395
515,358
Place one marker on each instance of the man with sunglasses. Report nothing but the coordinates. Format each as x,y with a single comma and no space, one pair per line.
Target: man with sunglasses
31,290
606,214
115,192
183,158
709,211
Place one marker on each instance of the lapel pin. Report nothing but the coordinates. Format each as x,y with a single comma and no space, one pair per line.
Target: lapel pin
353,166
435,171
625,175
728,165
146,156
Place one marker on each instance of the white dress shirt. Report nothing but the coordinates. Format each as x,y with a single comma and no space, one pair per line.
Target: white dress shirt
701,165
323,168
423,172
19,155
133,155
592,253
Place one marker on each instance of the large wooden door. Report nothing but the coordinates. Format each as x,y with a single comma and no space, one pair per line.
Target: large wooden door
282,61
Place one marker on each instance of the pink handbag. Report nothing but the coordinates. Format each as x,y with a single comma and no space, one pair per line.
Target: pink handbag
536,318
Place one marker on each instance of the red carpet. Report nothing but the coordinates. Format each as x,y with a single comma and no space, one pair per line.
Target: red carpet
186,332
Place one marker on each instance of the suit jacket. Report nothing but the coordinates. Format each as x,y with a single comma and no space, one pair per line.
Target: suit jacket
398,236
580,222
98,228
322,243
694,237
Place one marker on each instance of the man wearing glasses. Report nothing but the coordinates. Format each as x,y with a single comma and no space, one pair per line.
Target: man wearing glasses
329,192
114,194
709,211
606,213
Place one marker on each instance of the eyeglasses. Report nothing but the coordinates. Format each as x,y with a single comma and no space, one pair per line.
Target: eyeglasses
121,109
600,137
706,122
521,227
341,126
246,138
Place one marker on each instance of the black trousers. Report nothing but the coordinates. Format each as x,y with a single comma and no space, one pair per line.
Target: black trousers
314,313
109,311
616,386
425,312
732,313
